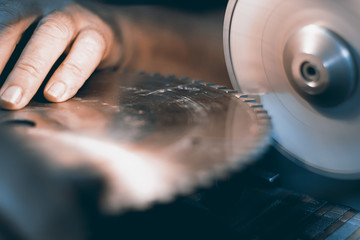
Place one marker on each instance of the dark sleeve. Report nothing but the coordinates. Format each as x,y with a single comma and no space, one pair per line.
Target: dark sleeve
194,5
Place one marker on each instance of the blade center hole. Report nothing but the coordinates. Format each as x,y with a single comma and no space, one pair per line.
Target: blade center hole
310,72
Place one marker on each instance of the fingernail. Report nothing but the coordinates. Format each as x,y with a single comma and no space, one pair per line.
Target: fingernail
12,95
57,90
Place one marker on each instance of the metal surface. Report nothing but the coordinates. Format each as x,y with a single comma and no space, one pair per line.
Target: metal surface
302,57
320,66
150,137
34,204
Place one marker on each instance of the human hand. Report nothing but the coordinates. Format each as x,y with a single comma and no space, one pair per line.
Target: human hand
69,28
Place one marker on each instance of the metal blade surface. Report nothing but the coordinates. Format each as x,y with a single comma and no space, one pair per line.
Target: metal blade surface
149,137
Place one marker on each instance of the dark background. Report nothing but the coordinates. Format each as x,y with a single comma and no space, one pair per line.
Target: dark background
193,5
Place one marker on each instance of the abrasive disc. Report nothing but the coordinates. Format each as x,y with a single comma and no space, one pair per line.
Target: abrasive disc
302,57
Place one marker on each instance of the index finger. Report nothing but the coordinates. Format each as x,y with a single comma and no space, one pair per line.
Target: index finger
48,42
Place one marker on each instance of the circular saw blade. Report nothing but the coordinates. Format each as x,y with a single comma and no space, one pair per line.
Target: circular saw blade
257,37
149,137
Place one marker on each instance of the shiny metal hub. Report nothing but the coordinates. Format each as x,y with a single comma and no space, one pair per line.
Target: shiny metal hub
320,66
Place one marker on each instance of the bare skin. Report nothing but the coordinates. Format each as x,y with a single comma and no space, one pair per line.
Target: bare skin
96,37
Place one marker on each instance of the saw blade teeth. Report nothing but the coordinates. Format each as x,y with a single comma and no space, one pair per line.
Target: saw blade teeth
221,87
256,105
263,115
170,76
243,96
156,74
230,91
196,81
260,111
139,72
185,79
218,87
258,108
265,121
249,100
261,139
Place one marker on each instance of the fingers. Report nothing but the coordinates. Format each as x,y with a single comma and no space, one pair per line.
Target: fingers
48,42
85,55
9,37
94,46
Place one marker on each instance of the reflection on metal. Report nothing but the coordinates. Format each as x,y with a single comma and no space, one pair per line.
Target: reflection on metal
34,204
302,57
150,137
320,66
